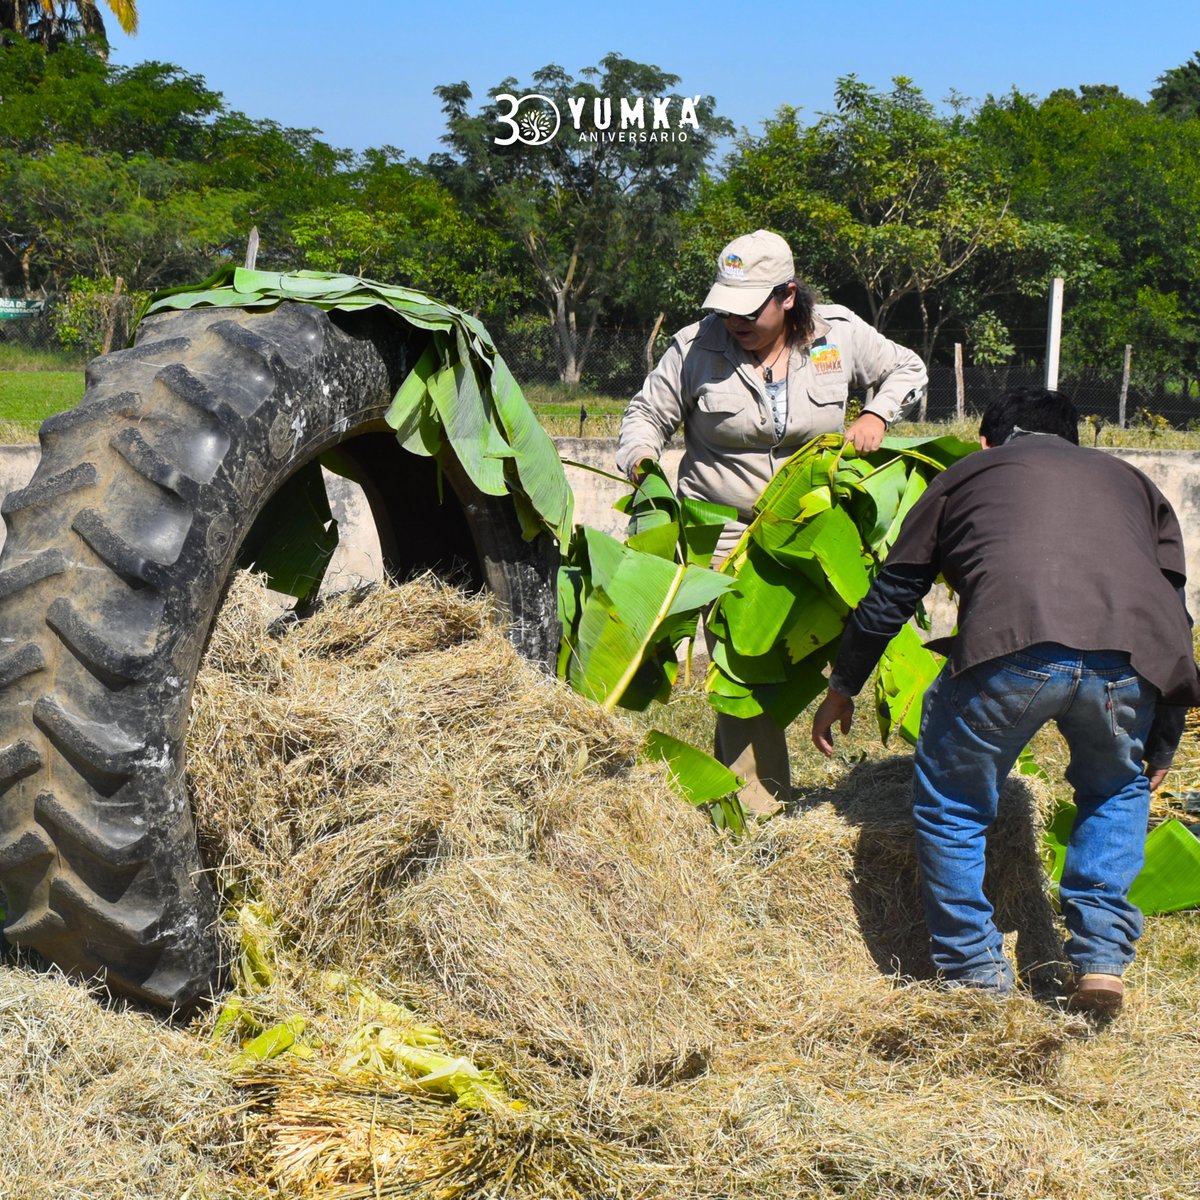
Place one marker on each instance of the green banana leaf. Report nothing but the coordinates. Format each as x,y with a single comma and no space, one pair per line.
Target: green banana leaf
460,395
623,611
700,779
671,526
821,530
906,670
1168,882
626,607
755,618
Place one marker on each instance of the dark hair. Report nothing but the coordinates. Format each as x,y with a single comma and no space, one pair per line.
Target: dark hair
800,315
1033,409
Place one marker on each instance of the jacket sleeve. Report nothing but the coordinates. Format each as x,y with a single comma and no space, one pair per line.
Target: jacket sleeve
1166,730
655,412
890,602
896,373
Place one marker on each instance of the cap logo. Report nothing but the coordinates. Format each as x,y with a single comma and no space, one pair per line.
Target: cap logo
733,267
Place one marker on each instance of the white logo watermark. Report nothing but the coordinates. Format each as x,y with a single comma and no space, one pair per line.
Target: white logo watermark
534,119
535,126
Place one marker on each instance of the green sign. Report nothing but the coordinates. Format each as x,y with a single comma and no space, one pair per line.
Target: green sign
12,310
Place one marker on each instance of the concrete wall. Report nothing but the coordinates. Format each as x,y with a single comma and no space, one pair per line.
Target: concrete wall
1176,472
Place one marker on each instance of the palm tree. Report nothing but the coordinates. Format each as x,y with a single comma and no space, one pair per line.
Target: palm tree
53,22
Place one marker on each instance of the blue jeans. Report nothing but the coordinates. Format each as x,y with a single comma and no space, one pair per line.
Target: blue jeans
973,727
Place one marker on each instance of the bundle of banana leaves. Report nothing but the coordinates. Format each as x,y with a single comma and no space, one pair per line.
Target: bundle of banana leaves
776,606
821,531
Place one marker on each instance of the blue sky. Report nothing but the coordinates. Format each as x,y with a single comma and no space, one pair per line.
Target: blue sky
363,73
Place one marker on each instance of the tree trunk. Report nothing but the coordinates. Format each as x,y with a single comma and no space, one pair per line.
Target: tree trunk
926,336
586,345
110,326
27,270
651,340
564,328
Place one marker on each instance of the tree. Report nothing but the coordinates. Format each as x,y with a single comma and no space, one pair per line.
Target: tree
55,22
1178,91
87,137
1125,177
74,213
604,192
883,199
286,172
70,95
402,226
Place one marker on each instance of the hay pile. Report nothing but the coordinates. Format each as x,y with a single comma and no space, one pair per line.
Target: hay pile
102,1102
683,1015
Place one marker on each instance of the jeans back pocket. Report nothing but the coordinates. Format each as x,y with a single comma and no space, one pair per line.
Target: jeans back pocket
1130,702
996,695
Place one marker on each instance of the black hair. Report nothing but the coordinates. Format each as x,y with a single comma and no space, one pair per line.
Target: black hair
1033,409
800,315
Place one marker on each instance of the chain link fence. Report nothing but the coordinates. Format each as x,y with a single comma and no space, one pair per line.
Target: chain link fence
616,364
30,331
1095,393
68,330
614,361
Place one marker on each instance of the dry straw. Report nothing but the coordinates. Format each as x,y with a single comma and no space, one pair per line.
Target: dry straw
681,1014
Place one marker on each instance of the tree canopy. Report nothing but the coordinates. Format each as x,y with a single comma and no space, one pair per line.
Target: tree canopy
55,22
590,203
1124,178
570,203
1178,90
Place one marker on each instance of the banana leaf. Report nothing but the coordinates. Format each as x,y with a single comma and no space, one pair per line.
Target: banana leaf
1169,881
821,530
906,670
671,526
460,397
623,611
284,1038
756,616
700,779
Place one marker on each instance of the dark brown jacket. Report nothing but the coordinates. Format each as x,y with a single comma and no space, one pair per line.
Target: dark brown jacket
1045,541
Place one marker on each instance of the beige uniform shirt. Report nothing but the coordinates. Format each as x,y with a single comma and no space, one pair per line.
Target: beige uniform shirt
707,384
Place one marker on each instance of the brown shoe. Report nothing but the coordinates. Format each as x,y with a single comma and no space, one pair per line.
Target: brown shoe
759,801
1102,995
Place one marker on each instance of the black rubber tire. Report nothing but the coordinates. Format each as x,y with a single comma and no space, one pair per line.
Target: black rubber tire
117,558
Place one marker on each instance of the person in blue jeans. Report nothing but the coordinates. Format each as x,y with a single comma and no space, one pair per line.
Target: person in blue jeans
1070,572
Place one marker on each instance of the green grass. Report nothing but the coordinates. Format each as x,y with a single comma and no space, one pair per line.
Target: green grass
19,358
27,398
1133,437
558,407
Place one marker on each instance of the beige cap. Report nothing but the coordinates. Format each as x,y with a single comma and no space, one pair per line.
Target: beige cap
747,269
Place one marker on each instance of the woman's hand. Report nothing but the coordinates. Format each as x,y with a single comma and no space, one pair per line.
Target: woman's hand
635,474
866,433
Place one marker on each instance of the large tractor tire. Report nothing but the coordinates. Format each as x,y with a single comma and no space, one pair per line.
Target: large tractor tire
118,555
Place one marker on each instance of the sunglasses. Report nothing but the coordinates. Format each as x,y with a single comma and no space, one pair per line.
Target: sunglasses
777,293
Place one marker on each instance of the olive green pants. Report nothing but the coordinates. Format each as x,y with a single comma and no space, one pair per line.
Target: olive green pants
753,747
756,749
